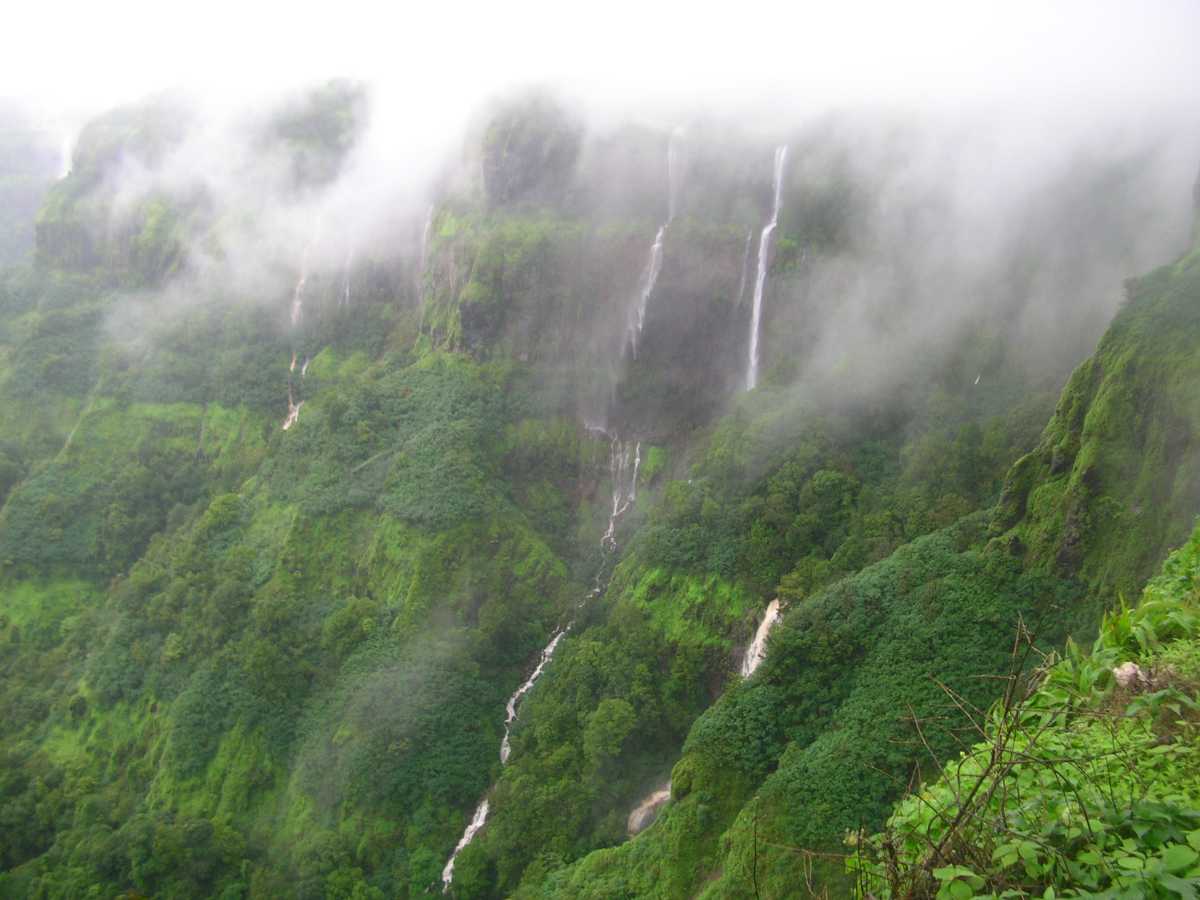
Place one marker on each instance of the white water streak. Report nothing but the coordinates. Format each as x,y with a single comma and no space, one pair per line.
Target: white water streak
293,415
624,493
298,299
757,651
298,293
624,461
647,811
511,707
637,318
760,280
477,820
66,151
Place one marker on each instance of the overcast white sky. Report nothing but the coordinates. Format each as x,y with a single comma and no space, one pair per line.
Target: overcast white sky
76,57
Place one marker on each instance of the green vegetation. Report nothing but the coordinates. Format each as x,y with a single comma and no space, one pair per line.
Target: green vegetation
1088,782
238,661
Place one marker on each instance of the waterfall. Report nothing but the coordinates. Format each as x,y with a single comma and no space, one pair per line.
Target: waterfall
511,707
647,811
345,301
624,461
760,279
293,409
298,299
477,820
741,291
637,317
66,151
298,292
623,496
293,414
757,651
303,368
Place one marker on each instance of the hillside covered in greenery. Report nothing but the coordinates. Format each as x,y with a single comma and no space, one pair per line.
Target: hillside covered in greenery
318,534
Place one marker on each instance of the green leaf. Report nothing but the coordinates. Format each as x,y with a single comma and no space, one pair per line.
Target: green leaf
1133,863
1184,889
1177,857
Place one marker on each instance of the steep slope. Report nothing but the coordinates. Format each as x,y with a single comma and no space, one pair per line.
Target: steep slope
290,511
1120,722
820,740
1115,480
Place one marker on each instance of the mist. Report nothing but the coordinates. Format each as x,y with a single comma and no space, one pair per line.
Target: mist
1002,168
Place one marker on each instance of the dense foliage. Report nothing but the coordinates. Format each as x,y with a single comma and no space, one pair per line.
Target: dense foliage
1088,782
244,660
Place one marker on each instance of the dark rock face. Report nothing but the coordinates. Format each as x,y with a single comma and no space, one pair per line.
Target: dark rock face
529,152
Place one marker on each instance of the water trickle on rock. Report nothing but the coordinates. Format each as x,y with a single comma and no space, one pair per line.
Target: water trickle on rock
636,318
624,461
624,489
760,278
757,651
510,709
647,811
293,409
66,151
477,820
637,315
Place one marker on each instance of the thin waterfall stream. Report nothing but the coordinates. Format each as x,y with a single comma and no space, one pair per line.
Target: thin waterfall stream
646,812
760,278
624,461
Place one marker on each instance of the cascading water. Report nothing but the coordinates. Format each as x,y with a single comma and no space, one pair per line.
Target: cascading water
647,811
477,820
345,298
66,150
624,461
622,497
510,710
293,409
757,651
293,413
636,319
760,278
298,299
